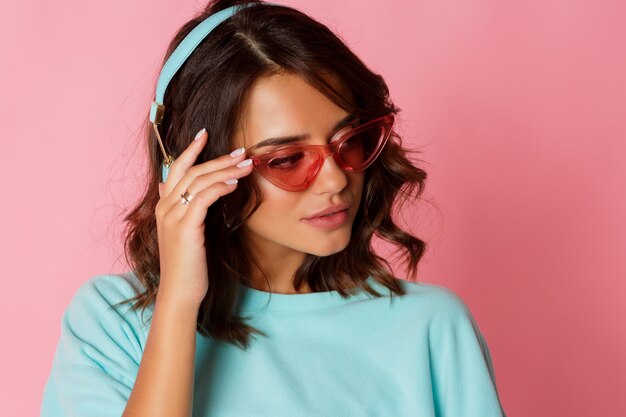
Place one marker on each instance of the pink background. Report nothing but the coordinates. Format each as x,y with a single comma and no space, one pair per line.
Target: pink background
519,108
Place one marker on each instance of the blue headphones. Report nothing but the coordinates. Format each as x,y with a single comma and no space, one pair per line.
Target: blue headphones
176,60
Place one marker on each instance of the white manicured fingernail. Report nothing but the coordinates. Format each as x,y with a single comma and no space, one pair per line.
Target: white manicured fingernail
237,152
244,163
199,133
233,181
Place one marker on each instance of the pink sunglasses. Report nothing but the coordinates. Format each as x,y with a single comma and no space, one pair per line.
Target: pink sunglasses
294,167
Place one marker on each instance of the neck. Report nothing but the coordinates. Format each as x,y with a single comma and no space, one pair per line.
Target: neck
274,268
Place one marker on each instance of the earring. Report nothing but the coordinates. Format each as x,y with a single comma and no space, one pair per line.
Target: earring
224,215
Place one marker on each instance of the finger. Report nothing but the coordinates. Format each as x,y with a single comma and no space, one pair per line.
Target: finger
209,167
194,213
207,181
185,160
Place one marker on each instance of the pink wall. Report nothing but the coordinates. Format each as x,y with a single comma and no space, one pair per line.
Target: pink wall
520,112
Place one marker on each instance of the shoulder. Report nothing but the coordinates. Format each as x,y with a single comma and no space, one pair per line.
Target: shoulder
436,299
102,302
98,325
441,311
463,376
115,285
106,290
448,317
99,349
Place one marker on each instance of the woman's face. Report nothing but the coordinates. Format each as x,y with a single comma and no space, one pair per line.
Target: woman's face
285,105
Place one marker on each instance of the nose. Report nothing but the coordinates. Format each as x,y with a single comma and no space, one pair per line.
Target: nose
331,178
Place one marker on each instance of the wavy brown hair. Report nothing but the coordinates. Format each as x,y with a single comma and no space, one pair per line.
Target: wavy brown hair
209,91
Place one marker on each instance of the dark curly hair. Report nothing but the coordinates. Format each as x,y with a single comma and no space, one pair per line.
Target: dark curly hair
209,90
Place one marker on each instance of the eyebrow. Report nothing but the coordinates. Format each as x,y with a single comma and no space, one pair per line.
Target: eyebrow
283,140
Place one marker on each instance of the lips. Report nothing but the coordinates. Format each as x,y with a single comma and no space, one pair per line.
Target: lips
329,210
327,215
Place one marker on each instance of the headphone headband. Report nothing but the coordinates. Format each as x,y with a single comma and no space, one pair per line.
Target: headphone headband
178,58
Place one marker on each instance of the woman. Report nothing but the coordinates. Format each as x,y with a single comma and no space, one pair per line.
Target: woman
261,302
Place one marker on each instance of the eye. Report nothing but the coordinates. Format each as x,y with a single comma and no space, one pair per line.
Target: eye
349,143
353,140
288,160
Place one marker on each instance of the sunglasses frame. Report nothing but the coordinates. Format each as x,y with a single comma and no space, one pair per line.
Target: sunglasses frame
260,162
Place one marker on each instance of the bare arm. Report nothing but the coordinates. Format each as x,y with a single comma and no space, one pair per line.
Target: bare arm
164,383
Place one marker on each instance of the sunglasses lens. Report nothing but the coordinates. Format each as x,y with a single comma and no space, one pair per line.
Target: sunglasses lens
360,149
292,167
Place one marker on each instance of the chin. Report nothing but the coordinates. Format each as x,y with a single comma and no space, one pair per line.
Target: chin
326,245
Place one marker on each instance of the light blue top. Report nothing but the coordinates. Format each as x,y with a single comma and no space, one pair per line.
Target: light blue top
419,355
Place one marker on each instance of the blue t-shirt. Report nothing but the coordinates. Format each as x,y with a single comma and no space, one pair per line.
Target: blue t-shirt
419,355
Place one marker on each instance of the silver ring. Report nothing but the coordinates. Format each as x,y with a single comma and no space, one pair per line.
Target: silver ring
186,198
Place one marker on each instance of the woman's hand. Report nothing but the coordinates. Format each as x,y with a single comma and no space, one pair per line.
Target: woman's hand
184,275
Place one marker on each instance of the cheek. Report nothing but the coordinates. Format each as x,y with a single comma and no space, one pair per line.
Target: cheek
357,179
276,210
276,215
